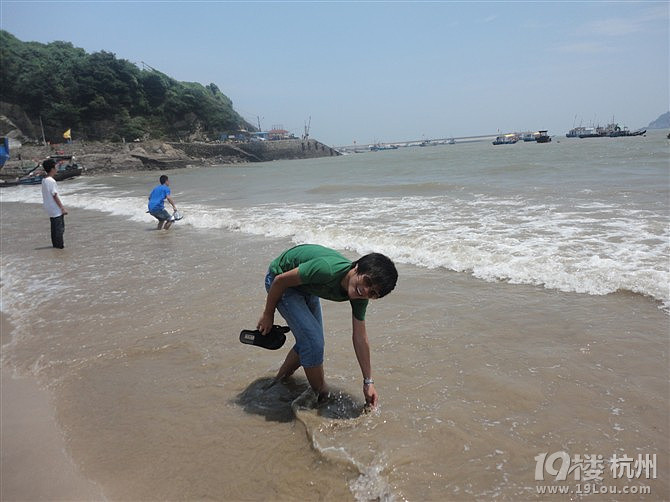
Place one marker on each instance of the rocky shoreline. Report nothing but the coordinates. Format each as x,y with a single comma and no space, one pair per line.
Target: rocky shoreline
107,157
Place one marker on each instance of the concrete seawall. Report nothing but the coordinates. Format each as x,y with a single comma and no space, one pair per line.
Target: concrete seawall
101,157
289,149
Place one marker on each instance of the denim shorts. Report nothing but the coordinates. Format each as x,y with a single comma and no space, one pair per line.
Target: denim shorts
160,214
302,312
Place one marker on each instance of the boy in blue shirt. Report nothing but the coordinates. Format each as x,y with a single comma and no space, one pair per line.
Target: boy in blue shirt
157,199
296,280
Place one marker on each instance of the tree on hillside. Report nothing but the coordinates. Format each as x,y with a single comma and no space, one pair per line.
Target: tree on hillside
103,97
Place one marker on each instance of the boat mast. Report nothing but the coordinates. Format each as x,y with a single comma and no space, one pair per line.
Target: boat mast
309,125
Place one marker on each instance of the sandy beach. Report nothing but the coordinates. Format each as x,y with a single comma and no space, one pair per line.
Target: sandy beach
35,464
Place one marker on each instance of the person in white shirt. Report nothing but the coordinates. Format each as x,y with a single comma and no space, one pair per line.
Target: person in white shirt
52,204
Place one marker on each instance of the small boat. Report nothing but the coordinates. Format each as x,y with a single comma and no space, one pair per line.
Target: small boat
31,179
379,147
543,137
65,172
529,136
66,167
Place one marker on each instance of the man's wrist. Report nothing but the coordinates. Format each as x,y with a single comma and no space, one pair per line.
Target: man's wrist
368,381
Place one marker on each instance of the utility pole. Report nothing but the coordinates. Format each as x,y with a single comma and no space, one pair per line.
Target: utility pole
150,67
44,140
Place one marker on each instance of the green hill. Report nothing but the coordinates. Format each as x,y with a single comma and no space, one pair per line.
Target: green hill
100,97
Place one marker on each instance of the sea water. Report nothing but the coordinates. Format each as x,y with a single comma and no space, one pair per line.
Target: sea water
530,317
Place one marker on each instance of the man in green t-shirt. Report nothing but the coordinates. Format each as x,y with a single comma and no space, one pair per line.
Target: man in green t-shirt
297,279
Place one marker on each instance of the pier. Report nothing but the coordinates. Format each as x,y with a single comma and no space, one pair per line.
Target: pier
365,147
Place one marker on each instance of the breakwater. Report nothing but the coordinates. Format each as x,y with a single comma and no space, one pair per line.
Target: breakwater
259,151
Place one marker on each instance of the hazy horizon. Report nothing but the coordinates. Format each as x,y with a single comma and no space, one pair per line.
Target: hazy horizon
388,71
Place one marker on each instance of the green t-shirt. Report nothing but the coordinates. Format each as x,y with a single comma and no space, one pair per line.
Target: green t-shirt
321,270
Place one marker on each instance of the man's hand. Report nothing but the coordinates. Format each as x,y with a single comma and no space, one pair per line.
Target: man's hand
370,394
265,323
279,284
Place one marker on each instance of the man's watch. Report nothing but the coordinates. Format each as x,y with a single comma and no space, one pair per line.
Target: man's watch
368,381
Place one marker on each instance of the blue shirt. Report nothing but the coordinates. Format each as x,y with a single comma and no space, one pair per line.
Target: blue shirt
157,197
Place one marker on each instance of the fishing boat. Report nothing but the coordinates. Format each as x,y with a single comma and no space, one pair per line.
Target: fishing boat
611,130
543,137
575,132
591,132
506,139
618,133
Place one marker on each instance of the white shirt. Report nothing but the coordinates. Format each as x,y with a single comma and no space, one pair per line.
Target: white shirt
49,189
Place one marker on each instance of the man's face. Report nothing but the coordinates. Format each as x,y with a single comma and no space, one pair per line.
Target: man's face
361,287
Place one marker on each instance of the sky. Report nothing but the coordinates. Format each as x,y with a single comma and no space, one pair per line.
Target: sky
369,72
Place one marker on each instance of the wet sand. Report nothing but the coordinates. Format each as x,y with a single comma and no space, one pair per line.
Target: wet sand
34,461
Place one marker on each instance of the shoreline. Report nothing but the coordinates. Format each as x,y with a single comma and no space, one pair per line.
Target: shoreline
34,464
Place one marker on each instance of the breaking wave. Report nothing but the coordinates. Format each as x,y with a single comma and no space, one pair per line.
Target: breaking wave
590,247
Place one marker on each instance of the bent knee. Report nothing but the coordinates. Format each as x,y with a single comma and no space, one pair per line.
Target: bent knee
311,354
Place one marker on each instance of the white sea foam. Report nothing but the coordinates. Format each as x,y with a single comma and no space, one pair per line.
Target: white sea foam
594,248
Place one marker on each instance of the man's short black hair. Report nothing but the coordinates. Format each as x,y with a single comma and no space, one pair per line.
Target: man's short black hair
163,179
48,165
381,271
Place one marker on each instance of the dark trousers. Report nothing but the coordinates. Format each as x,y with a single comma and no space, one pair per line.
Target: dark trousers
57,230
